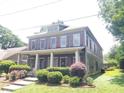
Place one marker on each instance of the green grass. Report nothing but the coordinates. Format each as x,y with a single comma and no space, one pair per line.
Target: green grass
110,82
115,72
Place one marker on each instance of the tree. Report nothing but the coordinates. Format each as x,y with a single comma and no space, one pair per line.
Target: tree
8,39
112,11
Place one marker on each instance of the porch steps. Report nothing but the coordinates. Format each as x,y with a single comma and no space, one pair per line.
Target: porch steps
18,84
11,88
22,83
32,79
4,91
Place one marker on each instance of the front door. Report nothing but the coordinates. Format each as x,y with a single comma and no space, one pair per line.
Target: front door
42,64
63,61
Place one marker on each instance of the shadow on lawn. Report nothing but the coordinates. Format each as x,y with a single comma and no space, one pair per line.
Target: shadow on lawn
118,80
95,76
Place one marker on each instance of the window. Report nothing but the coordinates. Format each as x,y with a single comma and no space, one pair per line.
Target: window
33,44
42,43
90,44
97,66
76,39
94,48
63,41
55,63
63,61
73,59
53,42
87,41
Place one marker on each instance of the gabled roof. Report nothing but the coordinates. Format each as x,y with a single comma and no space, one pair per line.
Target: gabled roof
4,54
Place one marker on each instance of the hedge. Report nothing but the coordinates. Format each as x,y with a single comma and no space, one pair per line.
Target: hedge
20,67
75,81
54,77
63,70
42,75
5,64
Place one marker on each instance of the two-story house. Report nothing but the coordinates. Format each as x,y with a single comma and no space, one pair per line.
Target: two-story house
57,45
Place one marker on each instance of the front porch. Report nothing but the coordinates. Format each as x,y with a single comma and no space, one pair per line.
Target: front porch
39,59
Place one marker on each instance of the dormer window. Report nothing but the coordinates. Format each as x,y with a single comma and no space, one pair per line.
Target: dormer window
44,29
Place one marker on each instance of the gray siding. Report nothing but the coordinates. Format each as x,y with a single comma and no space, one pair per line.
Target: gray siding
47,40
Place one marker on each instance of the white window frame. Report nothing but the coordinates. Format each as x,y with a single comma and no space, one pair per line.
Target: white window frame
43,45
76,39
33,45
63,41
51,44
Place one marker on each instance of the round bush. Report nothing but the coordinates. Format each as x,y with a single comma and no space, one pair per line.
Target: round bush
78,69
54,77
42,75
66,79
20,67
5,64
75,81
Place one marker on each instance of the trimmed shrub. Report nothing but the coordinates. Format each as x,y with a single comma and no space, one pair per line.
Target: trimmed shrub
42,75
75,81
63,70
66,79
20,67
5,64
54,77
89,81
78,69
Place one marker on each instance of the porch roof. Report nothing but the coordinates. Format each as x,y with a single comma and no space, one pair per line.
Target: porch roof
55,51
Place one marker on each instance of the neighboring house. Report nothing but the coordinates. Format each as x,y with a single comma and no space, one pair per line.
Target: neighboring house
12,54
58,45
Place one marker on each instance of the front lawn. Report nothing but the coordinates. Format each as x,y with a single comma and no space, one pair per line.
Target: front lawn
106,83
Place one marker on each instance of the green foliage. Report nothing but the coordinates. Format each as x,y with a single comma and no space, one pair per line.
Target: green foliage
115,55
89,80
112,11
54,77
63,70
5,64
122,64
78,69
42,75
110,69
75,81
20,67
66,79
8,39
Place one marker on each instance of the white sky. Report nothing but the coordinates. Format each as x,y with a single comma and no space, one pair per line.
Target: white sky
62,10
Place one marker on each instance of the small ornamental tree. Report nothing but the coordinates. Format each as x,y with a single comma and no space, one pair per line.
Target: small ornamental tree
5,64
78,69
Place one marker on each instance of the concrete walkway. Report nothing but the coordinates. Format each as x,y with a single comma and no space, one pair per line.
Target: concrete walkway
18,84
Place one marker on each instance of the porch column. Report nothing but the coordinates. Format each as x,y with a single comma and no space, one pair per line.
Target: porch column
18,59
77,56
36,61
51,59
